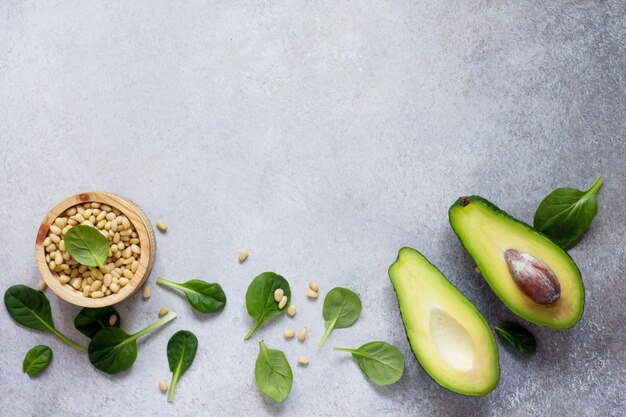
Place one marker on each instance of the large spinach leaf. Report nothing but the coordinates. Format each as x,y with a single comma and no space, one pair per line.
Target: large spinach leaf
260,300
566,213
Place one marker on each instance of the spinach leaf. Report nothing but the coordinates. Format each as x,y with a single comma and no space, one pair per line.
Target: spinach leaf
87,245
31,308
37,360
342,308
203,296
90,321
260,298
517,337
112,350
382,363
272,373
181,350
566,213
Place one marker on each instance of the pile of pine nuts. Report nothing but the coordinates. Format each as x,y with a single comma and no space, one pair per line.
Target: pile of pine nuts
124,250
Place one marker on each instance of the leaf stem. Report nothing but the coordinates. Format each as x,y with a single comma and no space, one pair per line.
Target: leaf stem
168,283
344,349
173,383
326,333
160,322
595,187
252,330
68,341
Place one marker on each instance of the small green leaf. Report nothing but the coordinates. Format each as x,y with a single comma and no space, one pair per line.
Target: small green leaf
272,373
90,321
181,351
566,213
203,296
260,298
87,245
112,350
31,308
37,360
517,337
382,363
342,308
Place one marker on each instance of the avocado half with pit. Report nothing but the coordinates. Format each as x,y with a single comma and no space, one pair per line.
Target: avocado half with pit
533,276
450,339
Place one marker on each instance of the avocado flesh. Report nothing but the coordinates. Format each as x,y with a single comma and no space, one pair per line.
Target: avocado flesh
450,339
487,233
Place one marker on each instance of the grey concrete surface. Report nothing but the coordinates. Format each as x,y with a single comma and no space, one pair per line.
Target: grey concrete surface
322,136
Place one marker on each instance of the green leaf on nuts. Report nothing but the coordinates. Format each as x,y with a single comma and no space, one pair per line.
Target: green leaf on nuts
87,245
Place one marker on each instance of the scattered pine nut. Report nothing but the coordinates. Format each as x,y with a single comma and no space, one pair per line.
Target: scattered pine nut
147,292
303,360
163,311
311,294
313,285
243,255
289,333
161,225
278,294
302,334
291,310
112,320
41,285
163,385
283,302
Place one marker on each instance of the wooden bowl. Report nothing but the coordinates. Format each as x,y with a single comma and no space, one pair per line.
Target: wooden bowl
146,241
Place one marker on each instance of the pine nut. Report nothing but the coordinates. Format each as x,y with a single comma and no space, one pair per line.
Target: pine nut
163,385
289,333
163,311
243,255
125,223
114,287
128,274
97,294
303,360
302,334
283,302
79,218
76,283
55,238
107,280
161,225
52,265
278,294
55,229
311,294
71,222
135,249
70,211
41,285
58,258
147,291
313,285
105,207
96,285
47,241
64,279
86,290
110,216
95,272
291,310
51,247
134,266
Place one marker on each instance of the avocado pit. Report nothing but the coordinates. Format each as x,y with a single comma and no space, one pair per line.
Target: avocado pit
533,277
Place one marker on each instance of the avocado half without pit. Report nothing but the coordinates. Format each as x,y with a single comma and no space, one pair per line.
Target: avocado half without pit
450,339
533,276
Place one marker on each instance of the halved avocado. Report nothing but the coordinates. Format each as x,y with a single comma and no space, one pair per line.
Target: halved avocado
490,235
450,339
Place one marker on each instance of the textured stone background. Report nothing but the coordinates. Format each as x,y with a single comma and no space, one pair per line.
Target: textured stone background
323,136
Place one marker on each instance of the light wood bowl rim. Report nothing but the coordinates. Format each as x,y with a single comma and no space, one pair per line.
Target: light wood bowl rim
146,241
